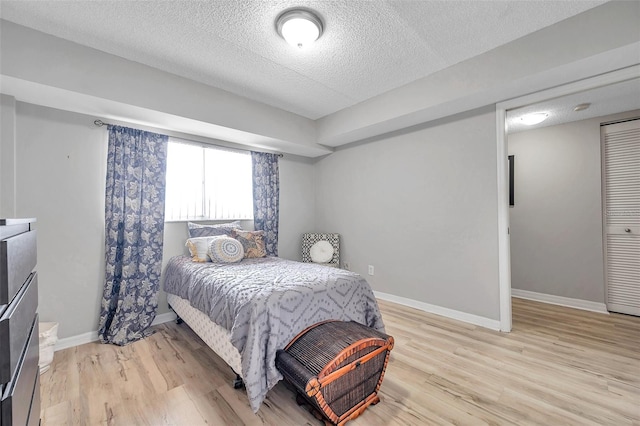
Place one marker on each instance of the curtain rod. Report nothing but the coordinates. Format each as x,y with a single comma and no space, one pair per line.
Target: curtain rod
101,123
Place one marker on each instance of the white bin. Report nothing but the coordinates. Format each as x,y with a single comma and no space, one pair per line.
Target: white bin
48,339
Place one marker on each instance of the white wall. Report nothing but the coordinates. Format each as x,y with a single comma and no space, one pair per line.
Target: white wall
60,176
556,223
421,207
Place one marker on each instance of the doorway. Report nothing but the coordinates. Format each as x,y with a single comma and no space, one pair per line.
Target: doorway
533,101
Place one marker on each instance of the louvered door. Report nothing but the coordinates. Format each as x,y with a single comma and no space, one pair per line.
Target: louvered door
621,186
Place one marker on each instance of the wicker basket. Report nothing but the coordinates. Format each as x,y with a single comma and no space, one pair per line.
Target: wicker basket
337,367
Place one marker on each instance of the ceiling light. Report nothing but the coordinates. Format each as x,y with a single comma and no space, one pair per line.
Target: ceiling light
582,107
299,27
535,118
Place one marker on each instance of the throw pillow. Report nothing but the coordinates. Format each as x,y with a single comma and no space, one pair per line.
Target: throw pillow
321,252
197,230
225,249
198,248
252,242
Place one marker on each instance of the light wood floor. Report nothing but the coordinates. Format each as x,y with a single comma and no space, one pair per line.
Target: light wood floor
559,366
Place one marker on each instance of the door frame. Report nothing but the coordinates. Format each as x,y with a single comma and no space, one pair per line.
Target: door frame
504,255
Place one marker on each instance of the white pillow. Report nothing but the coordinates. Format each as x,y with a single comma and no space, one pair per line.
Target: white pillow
321,252
198,248
225,249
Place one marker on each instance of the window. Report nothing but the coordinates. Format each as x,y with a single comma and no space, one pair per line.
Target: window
207,183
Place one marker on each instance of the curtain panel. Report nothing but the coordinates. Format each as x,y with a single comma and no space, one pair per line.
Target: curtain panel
266,198
134,227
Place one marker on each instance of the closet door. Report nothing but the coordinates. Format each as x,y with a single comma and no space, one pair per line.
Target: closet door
621,216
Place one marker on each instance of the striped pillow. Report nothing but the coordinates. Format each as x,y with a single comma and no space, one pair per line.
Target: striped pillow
197,230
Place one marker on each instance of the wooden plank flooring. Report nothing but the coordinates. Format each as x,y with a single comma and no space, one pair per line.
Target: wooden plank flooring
559,366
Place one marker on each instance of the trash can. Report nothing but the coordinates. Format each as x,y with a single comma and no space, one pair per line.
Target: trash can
48,338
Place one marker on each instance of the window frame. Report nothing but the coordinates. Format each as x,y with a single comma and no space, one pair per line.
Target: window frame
203,175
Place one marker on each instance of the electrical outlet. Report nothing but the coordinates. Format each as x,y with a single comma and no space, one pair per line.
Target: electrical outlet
370,269
346,266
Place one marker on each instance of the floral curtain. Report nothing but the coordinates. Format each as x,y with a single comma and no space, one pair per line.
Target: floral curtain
134,216
266,198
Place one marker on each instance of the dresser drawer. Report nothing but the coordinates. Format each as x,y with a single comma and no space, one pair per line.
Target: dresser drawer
15,325
34,413
18,257
16,401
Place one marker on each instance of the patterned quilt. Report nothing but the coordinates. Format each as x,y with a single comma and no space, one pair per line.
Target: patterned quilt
266,302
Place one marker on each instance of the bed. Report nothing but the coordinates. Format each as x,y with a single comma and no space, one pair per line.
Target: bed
248,310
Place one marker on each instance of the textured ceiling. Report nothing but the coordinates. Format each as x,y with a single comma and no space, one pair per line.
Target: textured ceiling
368,47
606,100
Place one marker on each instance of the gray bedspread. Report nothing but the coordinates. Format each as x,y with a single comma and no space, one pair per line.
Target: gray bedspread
266,302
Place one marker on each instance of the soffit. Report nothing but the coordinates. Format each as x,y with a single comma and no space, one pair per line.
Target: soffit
368,47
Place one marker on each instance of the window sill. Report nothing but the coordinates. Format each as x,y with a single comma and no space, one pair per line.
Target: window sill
207,220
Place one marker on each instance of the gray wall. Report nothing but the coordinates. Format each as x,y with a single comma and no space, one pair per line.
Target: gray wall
556,223
7,155
60,173
297,204
421,207
60,177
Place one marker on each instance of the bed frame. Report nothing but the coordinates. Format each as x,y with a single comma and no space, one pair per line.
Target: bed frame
215,336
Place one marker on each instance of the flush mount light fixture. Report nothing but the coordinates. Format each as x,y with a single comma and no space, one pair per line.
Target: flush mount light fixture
535,118
299,27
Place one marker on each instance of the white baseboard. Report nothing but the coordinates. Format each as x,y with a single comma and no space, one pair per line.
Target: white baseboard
162,318
80,339
585,305
439,310
92,336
